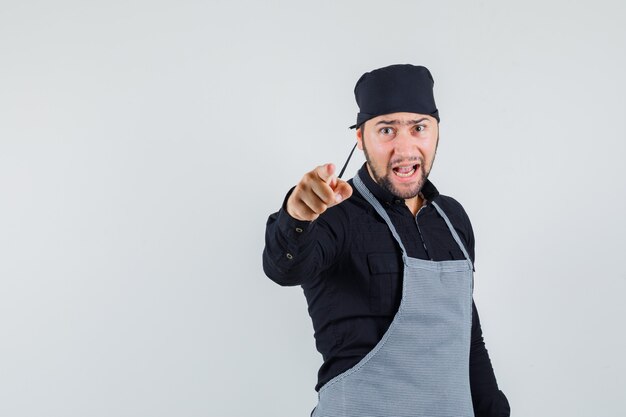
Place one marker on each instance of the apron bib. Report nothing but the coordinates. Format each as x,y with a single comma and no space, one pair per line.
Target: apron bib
420,368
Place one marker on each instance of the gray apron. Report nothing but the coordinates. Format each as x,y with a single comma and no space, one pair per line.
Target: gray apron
420,368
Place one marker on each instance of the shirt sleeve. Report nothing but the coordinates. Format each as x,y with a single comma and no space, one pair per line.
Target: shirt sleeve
487,399
296,251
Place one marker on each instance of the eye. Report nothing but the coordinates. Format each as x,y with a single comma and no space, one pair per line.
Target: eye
386,130
420,128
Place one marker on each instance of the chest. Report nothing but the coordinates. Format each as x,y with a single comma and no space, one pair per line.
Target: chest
369,277
425,236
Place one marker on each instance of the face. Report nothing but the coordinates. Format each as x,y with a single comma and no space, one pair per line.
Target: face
400,150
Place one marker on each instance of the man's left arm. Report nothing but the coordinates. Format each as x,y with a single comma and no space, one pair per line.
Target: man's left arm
487,398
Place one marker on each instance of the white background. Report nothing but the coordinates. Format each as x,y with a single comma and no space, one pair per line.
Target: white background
144,143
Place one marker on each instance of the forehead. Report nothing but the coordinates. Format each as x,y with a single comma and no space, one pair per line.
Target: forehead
402,118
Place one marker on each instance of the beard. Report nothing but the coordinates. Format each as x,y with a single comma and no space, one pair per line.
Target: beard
386,182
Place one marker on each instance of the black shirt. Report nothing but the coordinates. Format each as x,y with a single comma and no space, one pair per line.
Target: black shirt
350,268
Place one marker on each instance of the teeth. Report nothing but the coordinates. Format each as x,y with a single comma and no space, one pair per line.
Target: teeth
404,171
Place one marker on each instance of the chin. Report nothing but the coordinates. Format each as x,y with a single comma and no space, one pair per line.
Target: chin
406,191
407,194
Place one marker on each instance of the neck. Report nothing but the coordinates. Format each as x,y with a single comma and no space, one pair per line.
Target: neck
414,204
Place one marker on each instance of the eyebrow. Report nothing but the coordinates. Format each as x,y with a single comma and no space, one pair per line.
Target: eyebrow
398,122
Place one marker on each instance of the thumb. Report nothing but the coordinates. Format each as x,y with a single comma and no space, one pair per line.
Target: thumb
342,191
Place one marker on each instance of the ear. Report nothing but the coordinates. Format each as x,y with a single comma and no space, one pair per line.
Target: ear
359,139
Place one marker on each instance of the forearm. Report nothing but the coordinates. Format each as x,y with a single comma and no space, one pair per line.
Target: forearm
289,247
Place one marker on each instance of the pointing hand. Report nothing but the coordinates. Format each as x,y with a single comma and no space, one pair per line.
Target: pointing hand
316,192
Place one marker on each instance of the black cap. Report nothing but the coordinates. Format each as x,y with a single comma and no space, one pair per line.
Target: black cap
393,89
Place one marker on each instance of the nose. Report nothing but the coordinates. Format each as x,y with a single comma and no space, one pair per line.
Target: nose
405,144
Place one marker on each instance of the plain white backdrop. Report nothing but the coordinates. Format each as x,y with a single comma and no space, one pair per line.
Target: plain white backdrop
144,143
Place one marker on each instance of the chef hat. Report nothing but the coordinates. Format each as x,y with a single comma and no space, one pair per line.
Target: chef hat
393,89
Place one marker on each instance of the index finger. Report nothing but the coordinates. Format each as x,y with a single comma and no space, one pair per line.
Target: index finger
325,172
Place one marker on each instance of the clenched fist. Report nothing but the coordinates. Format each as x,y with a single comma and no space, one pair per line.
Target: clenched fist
316,192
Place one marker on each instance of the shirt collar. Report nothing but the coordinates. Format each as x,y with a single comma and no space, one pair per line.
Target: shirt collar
428,191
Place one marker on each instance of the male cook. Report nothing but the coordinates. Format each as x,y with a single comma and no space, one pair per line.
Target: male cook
386,265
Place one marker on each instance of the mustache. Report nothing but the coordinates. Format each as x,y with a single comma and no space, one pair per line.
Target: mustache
410,159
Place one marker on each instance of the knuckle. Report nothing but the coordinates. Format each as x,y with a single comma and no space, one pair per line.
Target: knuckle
315,206
321,208
307,178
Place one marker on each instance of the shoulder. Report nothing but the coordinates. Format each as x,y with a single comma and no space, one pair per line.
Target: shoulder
451,207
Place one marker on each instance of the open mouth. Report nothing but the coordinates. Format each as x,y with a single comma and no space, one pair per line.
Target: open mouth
405,171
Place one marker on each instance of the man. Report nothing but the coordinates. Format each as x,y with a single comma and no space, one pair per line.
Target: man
386,264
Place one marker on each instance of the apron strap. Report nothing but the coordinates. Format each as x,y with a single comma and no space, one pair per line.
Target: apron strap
455,235
360,186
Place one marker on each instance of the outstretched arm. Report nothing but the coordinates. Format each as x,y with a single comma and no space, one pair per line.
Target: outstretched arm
299,241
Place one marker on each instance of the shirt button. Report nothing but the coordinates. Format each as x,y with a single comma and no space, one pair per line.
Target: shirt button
298,230
289,256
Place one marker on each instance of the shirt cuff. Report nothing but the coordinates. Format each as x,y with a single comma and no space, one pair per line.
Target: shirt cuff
290,227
